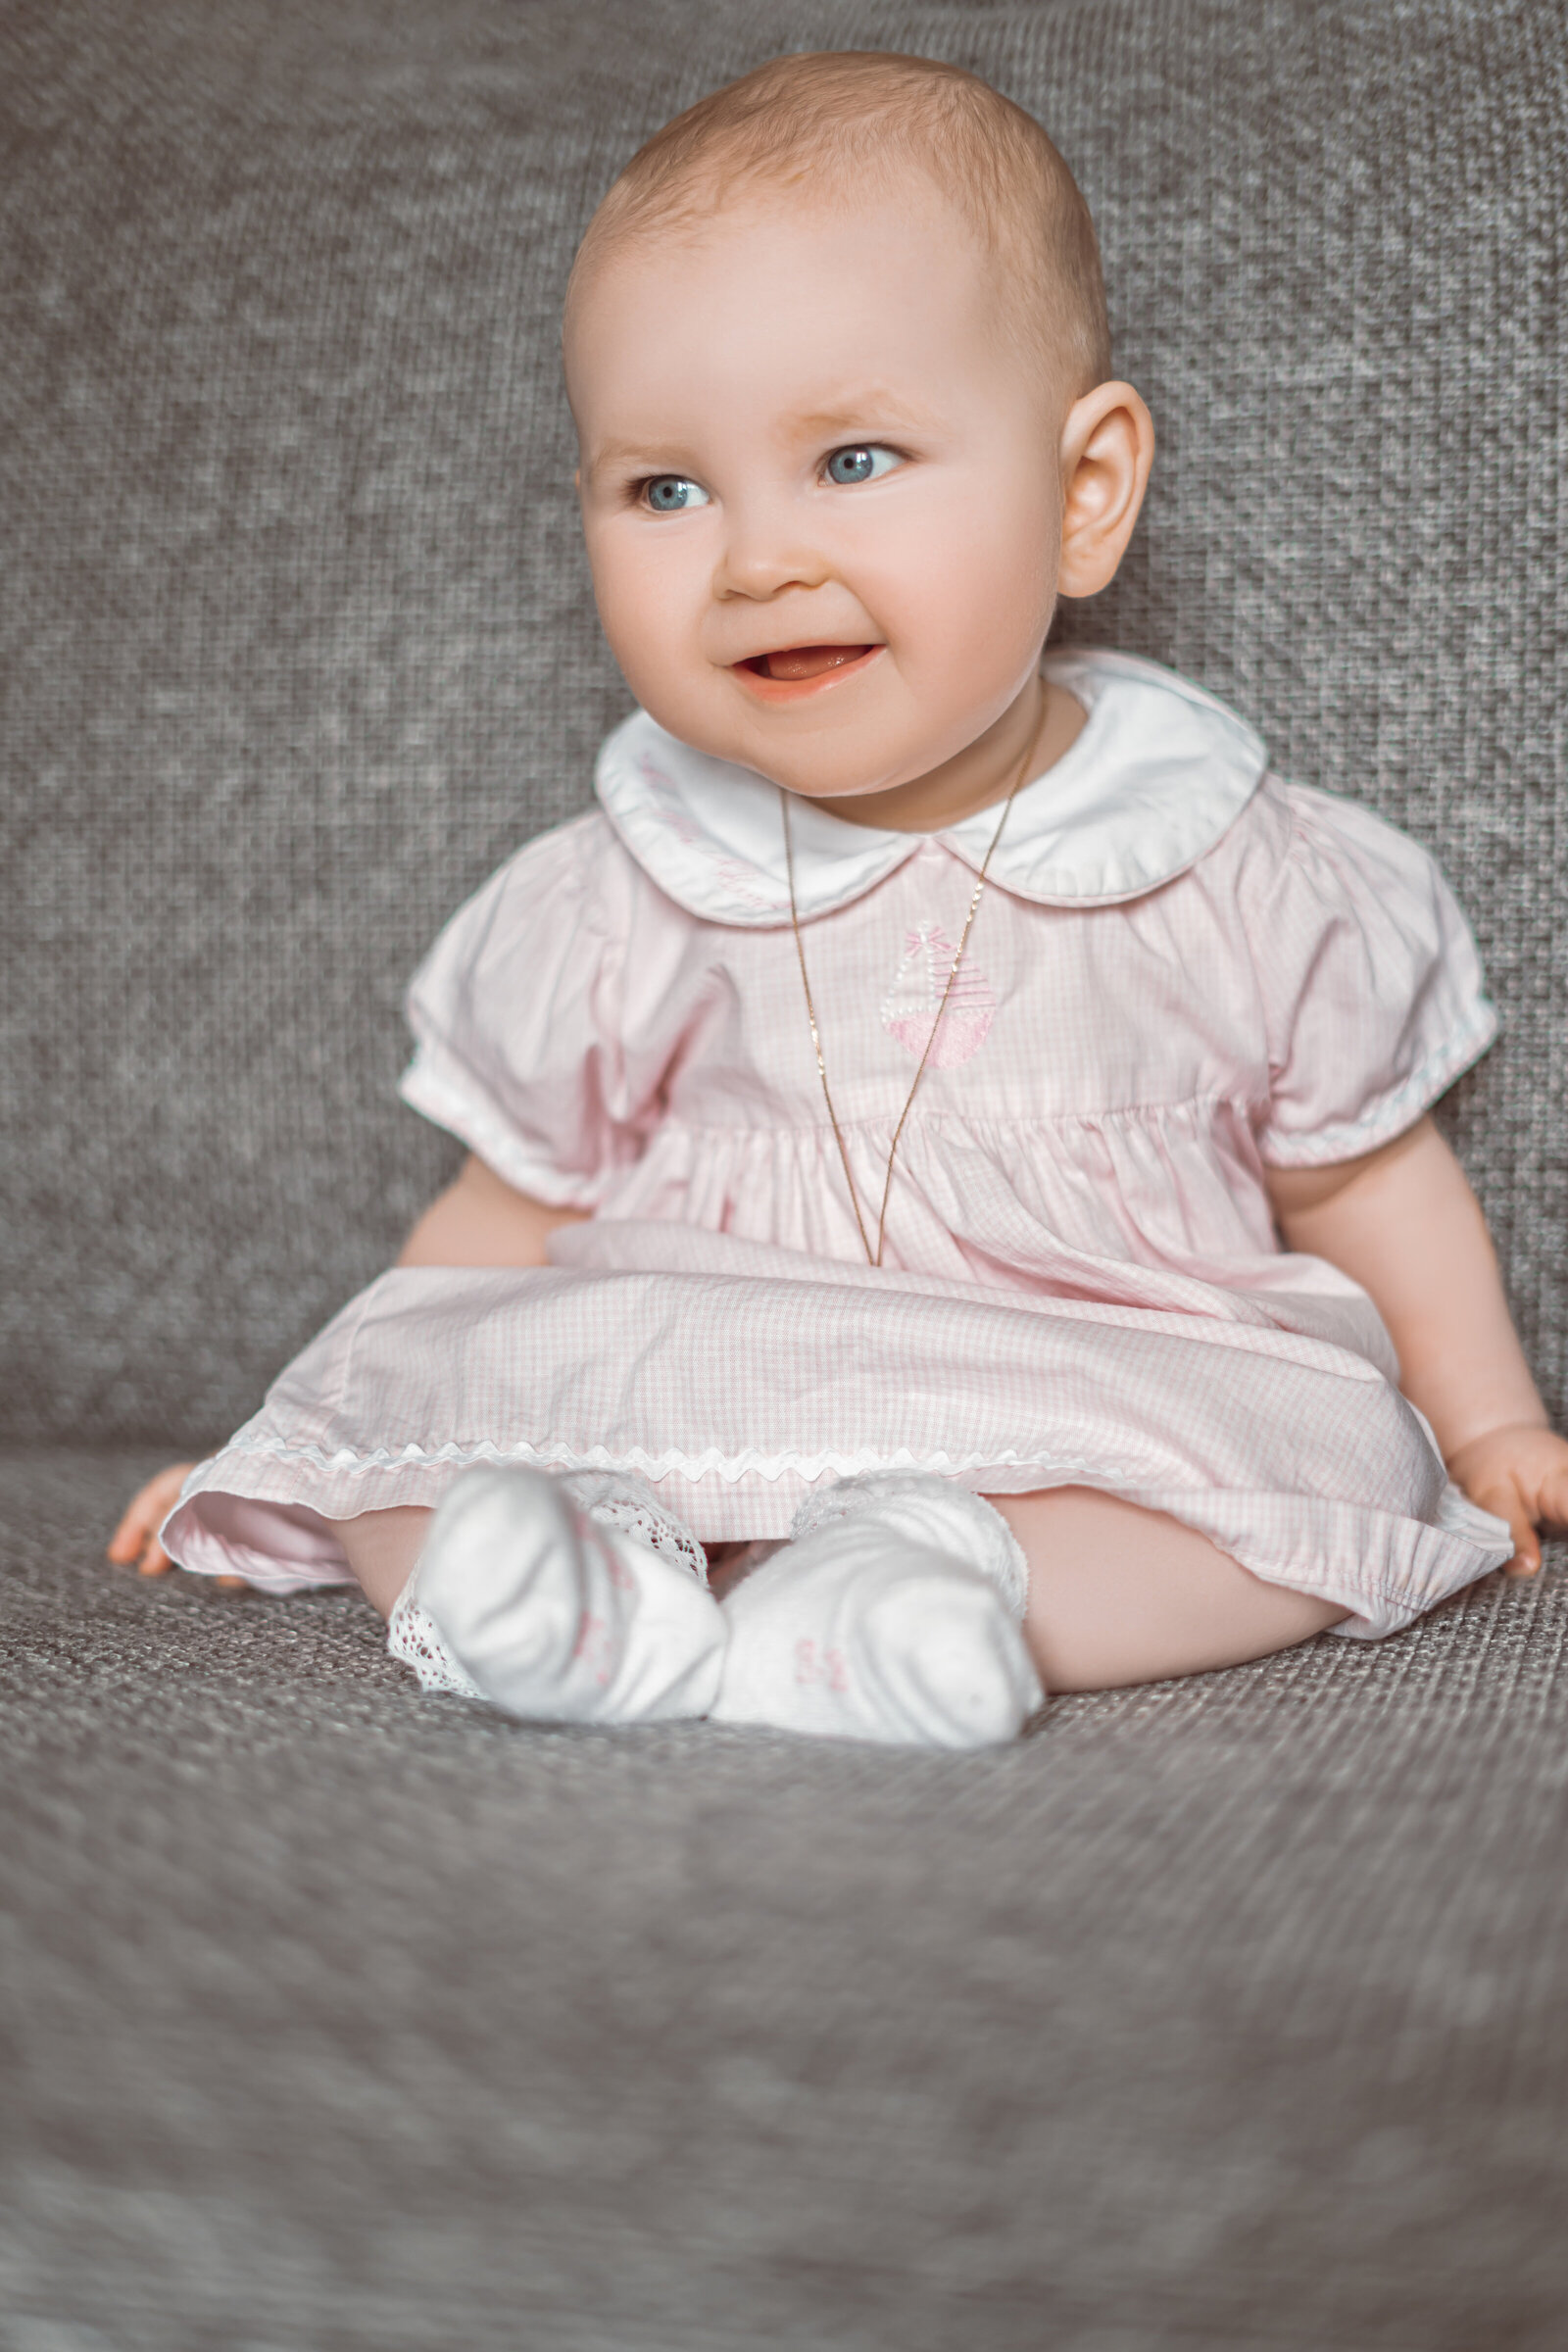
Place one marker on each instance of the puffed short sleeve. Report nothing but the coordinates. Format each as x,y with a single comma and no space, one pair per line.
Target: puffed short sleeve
516,1013
1371,986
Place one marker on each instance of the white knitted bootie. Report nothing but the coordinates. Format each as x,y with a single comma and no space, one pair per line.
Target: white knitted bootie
573,1599
893,1614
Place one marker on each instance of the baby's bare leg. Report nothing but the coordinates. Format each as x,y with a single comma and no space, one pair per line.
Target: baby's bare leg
1116,1593
561,1600
381,1547
1120,1594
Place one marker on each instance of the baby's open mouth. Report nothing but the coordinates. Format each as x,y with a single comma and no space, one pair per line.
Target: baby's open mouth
799,662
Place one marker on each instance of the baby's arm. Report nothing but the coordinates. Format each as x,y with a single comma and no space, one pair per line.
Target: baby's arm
1405,1224
477,1221
482,1221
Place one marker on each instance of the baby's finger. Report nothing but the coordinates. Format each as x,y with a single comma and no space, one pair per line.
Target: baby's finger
1526,1542
129,1537
231,1584
1552,1503
137,1535
154,1560
1505,1502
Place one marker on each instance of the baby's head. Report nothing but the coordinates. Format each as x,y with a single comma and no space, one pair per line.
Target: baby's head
836,345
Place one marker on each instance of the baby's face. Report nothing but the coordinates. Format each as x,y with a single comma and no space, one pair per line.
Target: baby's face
820,488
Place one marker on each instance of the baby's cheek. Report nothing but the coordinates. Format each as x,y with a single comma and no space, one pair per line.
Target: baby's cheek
645,608
973,590
982,634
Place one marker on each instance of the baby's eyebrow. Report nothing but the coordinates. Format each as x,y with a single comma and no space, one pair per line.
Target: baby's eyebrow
609,455
870,408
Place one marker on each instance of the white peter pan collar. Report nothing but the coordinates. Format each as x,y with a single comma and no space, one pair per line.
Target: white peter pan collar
1160,772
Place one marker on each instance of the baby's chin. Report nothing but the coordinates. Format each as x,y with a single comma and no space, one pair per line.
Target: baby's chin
819,773
816,759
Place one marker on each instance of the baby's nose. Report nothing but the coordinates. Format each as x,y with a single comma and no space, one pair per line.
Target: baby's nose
765,552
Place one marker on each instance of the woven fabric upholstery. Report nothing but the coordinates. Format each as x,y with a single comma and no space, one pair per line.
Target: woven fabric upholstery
1225,2016
298,642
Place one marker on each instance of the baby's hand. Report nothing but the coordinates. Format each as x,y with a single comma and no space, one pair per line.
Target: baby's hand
134,1542
1521,1473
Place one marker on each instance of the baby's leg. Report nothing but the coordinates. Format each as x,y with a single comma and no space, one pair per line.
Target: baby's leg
381,1547
1120,1594
1117,1595
574,1599
893,1614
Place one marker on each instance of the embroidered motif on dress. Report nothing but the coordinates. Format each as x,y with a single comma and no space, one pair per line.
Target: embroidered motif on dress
909,1007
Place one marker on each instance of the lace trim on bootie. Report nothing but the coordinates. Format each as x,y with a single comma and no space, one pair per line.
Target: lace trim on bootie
412,1636
615,1498
939,1511
620,1500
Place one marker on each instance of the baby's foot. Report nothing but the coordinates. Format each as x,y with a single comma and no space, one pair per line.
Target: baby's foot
892,1615
563,1601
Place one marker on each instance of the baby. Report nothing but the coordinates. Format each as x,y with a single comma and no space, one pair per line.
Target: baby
887,1108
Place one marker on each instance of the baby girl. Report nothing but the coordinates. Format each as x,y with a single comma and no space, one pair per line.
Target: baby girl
949,1138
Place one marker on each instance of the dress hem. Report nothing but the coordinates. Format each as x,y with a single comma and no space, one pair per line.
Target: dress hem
1423,1562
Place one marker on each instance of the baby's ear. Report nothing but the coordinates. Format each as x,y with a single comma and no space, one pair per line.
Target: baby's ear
1107,446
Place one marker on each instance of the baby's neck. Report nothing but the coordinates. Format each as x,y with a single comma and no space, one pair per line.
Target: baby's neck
1030,736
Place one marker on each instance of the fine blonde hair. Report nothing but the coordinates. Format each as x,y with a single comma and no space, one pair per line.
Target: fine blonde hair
818,125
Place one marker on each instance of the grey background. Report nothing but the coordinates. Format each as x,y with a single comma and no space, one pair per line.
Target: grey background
1226,2016
297,640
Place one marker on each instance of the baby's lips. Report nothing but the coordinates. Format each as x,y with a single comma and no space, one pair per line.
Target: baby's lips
794,663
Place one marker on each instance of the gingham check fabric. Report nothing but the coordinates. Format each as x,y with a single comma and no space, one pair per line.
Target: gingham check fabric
1083,1281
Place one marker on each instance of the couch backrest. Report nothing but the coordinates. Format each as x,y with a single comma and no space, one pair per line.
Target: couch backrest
296,640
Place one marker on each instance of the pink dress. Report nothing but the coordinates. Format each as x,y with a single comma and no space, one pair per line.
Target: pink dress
1182,972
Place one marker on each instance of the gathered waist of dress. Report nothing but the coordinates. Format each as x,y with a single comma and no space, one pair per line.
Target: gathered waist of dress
999,1203
1196,1113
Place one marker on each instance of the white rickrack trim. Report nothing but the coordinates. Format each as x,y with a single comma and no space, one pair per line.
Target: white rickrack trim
711,1463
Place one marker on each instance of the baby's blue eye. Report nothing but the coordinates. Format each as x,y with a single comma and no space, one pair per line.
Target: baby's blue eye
864,465
673,493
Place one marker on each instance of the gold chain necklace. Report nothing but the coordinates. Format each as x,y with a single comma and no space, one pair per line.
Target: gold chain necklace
874,1257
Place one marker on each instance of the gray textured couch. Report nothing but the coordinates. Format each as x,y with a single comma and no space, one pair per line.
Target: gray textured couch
1232,2013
